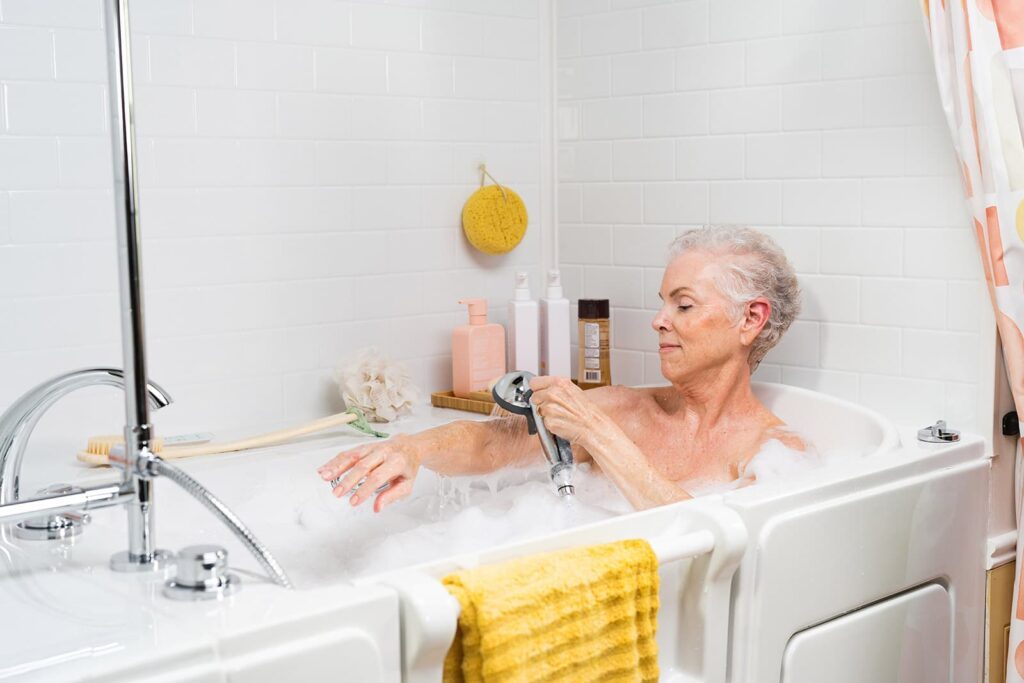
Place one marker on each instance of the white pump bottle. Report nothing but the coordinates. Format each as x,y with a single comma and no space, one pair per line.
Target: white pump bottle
523,333
554,329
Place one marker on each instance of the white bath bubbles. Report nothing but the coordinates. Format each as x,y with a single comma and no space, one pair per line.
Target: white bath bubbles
447,516
775,460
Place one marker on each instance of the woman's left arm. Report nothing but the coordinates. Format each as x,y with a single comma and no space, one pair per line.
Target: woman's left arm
576,417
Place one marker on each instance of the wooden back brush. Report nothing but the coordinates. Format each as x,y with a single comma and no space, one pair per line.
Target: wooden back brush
97,452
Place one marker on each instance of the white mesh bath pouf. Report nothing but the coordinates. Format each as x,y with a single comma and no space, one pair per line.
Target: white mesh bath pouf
378,386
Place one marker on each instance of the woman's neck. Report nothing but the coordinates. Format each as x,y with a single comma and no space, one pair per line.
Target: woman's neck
715,396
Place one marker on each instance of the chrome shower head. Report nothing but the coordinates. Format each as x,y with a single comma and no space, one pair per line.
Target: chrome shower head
512,392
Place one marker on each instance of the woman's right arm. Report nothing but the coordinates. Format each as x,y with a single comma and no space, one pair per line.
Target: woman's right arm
462,447
474,447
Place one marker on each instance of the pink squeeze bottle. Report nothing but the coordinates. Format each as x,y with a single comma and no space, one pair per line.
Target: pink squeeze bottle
478,351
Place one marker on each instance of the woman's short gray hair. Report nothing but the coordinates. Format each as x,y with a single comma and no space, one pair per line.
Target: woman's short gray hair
768,274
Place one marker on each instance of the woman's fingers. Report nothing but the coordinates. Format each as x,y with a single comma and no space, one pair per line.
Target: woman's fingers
543,388
357,472
553,389
340,463
364,471
542,382
554,406
400,488
374,480
553,421
563,405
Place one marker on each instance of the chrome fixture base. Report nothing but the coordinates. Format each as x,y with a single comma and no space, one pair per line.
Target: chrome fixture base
161,560
202,575
937,433
51,527
227,585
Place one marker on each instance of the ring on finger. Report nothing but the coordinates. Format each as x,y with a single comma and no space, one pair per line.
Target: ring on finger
383,487
364,461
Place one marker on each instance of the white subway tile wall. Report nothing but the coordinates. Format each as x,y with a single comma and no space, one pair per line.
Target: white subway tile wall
303,168
5,219
304,164
814,120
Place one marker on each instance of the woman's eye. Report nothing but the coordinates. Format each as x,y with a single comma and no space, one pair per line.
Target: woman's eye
685,308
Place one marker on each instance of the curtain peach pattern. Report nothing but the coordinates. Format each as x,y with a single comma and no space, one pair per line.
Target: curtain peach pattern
978,49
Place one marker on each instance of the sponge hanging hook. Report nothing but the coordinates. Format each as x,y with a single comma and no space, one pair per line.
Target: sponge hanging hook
484,173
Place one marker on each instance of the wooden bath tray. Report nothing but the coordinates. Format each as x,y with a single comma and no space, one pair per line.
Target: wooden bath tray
480,401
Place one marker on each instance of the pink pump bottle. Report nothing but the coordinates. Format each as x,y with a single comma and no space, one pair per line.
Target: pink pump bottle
478,351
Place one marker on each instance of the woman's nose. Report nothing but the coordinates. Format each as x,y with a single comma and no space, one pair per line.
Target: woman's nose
659,323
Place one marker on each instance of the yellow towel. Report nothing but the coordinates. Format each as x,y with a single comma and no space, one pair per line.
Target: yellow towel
584,614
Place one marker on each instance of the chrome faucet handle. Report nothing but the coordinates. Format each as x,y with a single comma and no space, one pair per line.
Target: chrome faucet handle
202,574
53,527
77,518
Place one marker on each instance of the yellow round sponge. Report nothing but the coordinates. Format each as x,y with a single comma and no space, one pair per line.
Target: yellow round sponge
494,219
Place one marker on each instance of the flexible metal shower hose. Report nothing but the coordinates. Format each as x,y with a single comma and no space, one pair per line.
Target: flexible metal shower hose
199,492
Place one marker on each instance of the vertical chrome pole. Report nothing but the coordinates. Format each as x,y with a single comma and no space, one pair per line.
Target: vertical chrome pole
141,554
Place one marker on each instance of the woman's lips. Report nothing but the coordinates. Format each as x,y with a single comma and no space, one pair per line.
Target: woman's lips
666,348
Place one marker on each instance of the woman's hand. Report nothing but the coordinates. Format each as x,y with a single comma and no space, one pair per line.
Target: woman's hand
566,410
587,419
395,462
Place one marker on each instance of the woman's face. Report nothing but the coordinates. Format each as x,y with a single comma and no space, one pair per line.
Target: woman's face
695,329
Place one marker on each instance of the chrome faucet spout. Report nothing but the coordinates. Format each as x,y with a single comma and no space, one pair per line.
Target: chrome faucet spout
18,421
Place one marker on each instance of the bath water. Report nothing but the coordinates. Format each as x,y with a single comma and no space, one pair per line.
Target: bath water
322,539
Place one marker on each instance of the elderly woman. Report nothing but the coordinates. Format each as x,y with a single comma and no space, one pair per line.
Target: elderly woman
728,294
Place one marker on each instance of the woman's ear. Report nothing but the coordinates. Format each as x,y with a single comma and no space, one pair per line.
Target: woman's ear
754,319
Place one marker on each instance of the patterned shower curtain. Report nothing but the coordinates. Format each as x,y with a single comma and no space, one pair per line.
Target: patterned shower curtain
978,49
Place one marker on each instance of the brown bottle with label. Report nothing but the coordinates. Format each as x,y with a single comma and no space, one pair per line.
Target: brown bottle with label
595,367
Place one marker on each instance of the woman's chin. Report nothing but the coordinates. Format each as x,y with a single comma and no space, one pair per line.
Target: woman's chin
672,369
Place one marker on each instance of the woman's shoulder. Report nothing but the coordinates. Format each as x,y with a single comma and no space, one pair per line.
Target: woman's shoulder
782,433
620,397
780,452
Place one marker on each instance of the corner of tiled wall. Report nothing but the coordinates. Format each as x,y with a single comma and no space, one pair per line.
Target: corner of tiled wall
818,122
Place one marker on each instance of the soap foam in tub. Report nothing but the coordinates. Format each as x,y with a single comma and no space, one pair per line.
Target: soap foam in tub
324,540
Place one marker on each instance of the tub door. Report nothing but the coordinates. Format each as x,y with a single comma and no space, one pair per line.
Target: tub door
904,639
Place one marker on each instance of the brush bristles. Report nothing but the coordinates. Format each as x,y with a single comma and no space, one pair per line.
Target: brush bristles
101,445
93,459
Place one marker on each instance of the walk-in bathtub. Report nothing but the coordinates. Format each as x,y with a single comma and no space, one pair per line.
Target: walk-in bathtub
871,568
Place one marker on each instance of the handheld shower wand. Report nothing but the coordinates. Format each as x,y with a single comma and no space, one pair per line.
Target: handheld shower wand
512,392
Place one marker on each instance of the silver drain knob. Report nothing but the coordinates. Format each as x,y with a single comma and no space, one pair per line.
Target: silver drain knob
202,574
938,433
